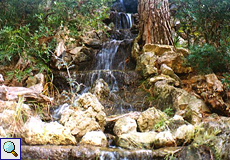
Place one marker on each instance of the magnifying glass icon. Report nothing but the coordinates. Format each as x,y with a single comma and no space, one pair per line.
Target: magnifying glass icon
9,147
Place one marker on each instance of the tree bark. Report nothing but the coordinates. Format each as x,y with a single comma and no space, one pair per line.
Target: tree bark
154,22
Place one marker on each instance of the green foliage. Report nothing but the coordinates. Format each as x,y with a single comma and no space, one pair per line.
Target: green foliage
208,58
207,26
208,19
169,111
226,80
25,24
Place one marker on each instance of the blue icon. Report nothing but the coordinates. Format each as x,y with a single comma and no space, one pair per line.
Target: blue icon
9,147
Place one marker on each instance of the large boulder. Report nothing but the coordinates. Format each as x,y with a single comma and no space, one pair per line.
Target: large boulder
163,139
184,134
88,115
146,64
125,125
37,132
211,90
214,132
145,140
95,138
150,118
165,70
165,78
157,48
134,140
185,104
175,61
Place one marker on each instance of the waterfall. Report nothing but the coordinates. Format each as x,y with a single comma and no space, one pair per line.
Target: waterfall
106,56
122,20
130,20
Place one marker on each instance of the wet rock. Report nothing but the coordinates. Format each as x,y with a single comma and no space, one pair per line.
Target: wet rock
149,118
100,89
130,5
95,138
163,139
175,61
192,152
44,151
2,133
78,55
134,140
157,48
125,125
118,6
94,43
121,21
146,64
87,116
184,134
12,115
46,133
185,104
83,152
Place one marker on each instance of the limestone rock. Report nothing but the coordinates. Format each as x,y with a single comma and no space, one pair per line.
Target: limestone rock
146,64
211,90
149,118
38,132
134,140
95,138
182,51
184,134
2,133
88,115
214,132
175,61
168,71
212,81
125,125
167,79
163,139
175,122
186,105
100,89
157,48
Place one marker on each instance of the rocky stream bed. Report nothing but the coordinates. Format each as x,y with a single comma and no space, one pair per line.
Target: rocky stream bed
125,106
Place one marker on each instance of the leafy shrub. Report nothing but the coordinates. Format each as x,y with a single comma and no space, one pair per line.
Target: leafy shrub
208,58
207,25
23,24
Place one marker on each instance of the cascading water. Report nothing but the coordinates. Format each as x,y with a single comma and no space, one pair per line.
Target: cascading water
123,20
113,64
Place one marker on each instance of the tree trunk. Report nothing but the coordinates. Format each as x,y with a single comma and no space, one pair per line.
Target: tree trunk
154,22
